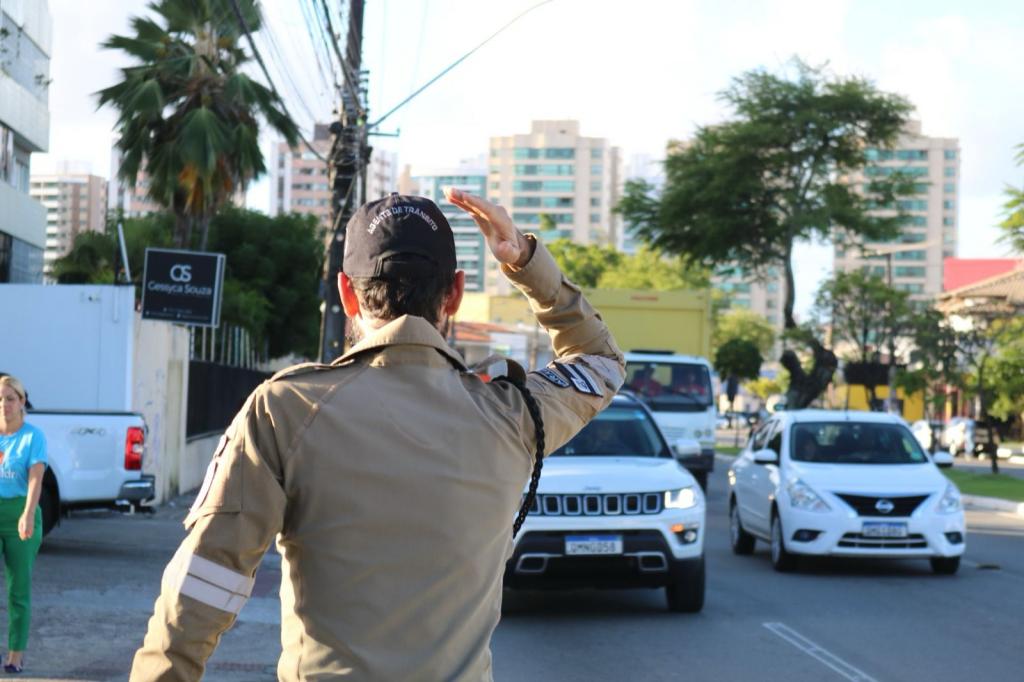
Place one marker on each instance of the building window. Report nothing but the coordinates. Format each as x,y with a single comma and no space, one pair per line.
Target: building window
595,202
949,172
563,186
595,218
948,204
542,202
910,255
915,220
882,171
544,153
898,154
908,271
596,153
912,205
23,60
949,154
595,185
948,188
534,218
545,169
596,169
495,185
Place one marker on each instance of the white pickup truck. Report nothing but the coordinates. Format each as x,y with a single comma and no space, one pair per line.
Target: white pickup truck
95,460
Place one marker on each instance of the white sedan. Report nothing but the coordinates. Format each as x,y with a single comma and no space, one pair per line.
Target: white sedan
853,484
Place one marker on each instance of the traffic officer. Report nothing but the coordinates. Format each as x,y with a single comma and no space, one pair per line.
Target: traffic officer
389,478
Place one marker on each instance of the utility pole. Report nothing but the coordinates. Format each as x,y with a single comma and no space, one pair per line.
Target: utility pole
349,157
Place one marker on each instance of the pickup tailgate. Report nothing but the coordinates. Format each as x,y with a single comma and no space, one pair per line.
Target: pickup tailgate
86,451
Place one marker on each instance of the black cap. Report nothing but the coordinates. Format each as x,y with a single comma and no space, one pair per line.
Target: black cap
398,236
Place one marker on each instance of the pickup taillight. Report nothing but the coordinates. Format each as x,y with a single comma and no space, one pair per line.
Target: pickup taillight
134,444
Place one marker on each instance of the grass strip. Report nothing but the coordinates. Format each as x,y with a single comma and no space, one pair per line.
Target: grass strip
987,485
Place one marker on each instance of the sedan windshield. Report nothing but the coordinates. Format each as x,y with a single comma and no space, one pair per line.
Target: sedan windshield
670,386
854,443
617,432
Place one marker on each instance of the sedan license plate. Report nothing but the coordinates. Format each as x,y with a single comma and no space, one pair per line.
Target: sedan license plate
884,530
580,545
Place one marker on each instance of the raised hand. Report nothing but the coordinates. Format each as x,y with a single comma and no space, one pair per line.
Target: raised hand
504,240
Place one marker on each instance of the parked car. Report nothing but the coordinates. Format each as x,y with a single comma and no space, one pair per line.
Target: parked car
958,436
928,433
853,484
614,509
95,461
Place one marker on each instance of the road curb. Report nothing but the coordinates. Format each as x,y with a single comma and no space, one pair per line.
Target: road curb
982,503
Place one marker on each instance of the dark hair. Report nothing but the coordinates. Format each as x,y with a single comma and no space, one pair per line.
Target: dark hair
388,298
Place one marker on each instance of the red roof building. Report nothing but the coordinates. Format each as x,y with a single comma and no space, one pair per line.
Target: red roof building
962,272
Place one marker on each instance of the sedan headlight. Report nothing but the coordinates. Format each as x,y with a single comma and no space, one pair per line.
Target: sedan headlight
684,498
802,496
950,501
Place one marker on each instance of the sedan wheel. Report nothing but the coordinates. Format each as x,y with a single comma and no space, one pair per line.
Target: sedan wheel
782,560
742,542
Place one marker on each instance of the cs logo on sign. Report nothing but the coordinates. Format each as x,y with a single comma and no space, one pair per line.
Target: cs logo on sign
181,273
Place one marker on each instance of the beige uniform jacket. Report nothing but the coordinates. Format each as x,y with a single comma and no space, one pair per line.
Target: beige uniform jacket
390,480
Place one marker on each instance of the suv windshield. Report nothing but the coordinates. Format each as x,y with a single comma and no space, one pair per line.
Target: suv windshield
617,432
854,443
670,386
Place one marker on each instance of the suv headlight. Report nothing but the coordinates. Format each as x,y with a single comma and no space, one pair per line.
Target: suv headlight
684,498
950,501
802,496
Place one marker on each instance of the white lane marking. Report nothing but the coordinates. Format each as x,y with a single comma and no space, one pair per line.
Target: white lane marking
819,653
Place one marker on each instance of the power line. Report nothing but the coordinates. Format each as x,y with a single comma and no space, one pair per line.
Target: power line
455,63
278,59
351,84
309,22
259,60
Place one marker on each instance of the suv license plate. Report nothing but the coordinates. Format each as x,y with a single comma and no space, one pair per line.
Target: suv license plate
577,545
884,530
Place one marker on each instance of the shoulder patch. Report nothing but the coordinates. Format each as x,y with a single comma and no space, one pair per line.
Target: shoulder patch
580,378
554,377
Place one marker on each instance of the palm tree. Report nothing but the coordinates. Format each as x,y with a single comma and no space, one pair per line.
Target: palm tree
188,115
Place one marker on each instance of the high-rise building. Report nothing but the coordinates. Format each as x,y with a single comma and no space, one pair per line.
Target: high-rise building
914,260
470,249
763,294
555,176
651,170
74,203
299,179
131,201
25,36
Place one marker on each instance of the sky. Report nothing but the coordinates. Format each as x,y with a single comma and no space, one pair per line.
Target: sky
638,73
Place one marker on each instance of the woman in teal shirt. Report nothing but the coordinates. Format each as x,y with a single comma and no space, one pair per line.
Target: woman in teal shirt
22,463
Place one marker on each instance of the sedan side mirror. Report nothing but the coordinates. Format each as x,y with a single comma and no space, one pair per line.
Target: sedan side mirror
943,460
684,448
766,456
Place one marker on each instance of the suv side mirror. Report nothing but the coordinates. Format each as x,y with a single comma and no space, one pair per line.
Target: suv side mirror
684,448
943,460
766,456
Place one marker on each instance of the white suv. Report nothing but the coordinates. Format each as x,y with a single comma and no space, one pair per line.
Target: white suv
854,484
614,509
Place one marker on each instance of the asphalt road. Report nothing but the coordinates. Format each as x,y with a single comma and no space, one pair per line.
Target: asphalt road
98,574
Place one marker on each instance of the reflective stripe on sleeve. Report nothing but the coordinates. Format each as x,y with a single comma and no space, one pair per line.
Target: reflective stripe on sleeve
207,582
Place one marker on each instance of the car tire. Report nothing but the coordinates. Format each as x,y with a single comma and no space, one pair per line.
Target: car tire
741,541
702,479
782,560
49,504
945,565
686,595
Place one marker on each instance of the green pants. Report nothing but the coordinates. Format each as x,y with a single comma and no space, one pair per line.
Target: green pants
19,555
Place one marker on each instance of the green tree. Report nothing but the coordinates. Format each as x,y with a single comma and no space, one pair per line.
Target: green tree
740,323
1006,376
271,279
863,312
583,265
743,192
1013,225
738,358
934,359
647,269
187,113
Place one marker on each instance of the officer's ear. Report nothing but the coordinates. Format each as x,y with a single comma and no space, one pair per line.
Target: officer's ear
349,299
453,299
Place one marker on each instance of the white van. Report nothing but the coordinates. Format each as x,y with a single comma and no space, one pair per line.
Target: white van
678,390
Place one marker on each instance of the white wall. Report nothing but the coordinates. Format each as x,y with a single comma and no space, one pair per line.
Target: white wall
71,345
160,393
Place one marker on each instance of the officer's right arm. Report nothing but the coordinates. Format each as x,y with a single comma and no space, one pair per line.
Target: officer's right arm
239,511
589,367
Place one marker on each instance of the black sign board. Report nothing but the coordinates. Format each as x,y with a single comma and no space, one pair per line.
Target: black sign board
183,287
